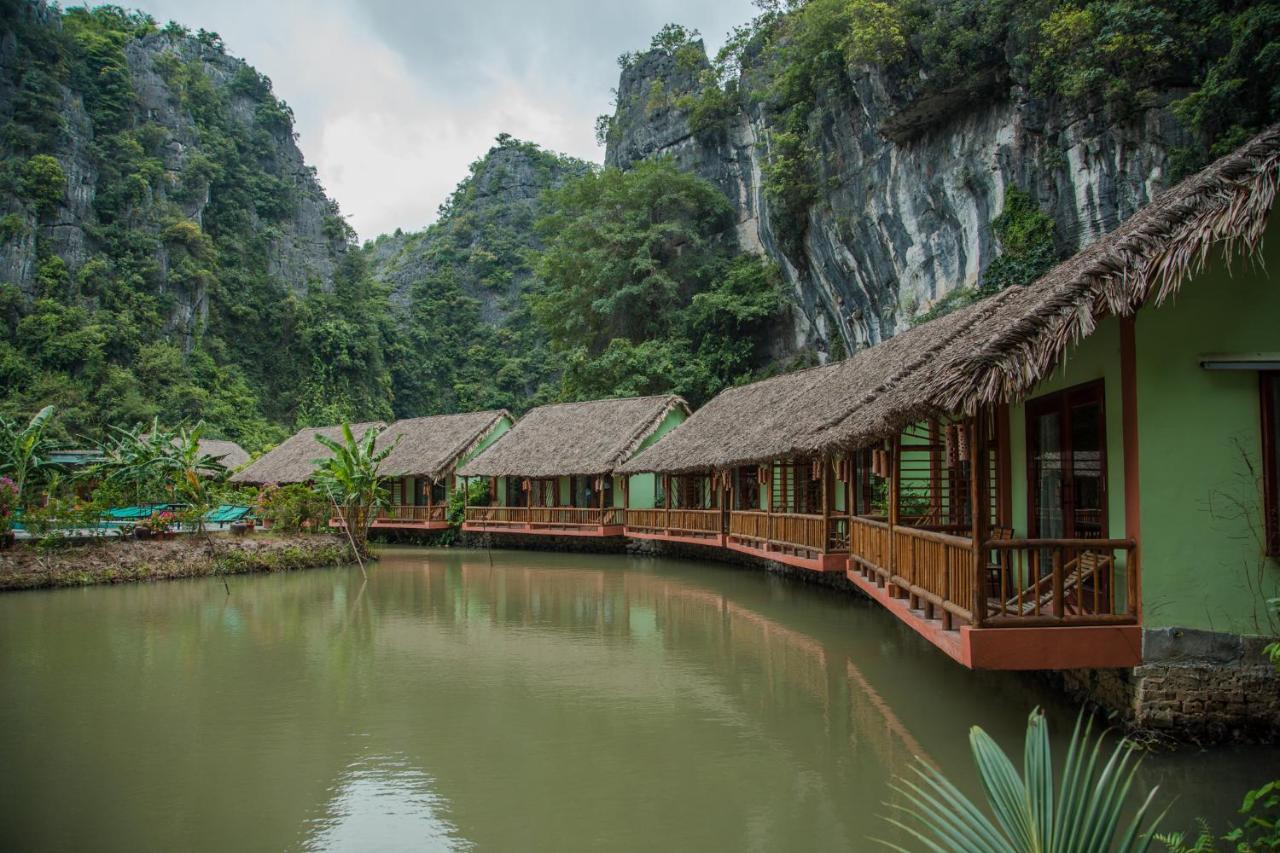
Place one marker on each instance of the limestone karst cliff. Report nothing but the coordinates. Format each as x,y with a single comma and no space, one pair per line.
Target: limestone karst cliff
907,187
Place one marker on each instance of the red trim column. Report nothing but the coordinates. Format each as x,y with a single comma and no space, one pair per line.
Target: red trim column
1132,470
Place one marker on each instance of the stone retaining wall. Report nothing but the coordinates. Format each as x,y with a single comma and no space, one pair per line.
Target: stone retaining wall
1193,685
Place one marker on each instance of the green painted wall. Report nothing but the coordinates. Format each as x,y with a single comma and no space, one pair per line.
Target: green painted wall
503,425
1097,357
1199,447
644,487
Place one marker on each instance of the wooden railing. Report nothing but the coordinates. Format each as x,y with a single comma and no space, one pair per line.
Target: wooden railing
869,544
936,568
544,517
408,512
678,522
816,533
1059,581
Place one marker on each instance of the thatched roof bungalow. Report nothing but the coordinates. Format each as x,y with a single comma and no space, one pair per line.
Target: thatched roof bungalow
575,439
431,446
986,464
228,454
553,473
424,456
293,461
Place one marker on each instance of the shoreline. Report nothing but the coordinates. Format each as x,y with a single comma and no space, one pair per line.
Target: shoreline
25,567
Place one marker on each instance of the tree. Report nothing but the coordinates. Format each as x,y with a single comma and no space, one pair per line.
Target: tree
641,291
1081,812
351,481
24,451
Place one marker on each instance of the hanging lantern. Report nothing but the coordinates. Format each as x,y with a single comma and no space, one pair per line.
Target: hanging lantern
951,449
962,443
525,485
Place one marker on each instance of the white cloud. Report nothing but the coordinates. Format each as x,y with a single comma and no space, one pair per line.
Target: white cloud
394,100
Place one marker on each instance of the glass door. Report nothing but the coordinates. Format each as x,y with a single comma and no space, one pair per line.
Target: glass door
1066,465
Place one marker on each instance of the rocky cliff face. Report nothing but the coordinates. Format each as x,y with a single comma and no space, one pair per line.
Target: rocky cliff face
302,244
907,190
484,234
458,288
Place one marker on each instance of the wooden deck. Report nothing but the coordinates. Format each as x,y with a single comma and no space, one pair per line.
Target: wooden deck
1012,604
409,517
690,526
545,521
814,542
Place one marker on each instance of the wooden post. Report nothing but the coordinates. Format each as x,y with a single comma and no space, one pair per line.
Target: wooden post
892,568
1004,467
666,503
768,507
979,508
1132,470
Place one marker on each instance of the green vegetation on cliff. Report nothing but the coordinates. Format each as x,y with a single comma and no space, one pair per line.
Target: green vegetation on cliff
641,291
141,239
1215,64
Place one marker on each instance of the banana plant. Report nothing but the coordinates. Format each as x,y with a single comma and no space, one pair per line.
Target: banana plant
23,450
351,480
1081,813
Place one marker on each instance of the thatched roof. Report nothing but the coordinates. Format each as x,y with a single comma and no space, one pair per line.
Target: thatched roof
230,454
431,446
294,460
781,416
1224,207
584,439
996,350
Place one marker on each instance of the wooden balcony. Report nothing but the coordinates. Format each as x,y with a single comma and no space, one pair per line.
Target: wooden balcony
1006,605
545,520
693,526
410,517
815,542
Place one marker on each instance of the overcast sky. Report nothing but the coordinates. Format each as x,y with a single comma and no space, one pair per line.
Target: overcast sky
393,100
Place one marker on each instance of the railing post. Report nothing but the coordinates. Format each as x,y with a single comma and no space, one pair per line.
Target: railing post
1058,610
978,511
892,474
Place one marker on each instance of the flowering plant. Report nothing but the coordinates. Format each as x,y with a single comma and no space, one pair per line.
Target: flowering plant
8,503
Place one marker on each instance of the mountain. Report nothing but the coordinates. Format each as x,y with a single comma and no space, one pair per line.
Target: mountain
459,289
872,149
164,248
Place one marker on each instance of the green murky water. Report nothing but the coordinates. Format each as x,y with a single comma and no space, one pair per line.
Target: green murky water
542,702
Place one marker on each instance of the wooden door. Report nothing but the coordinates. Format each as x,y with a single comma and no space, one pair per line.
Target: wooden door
1067,464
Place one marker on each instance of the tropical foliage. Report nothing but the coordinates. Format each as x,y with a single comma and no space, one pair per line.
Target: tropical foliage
1033,812
109,340
350,479
24,452
641,294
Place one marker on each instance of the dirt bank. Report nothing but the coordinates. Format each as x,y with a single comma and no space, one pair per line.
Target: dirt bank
28,567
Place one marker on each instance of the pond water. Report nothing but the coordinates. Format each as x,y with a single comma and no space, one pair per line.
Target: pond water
460,700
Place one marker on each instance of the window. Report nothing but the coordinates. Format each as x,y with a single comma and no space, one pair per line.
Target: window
1271,459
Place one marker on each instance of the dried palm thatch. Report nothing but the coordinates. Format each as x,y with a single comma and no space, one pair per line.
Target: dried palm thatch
431,446
785,416
996,350
294,460
228,453
581,439
1223,208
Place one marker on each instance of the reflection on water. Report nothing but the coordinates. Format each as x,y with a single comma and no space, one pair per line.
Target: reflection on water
535,702
382,804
